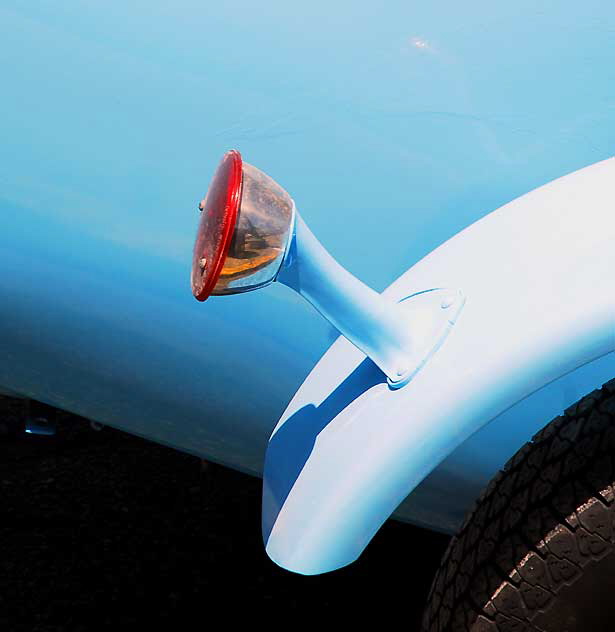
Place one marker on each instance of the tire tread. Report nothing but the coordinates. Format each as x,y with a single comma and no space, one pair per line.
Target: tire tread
539,522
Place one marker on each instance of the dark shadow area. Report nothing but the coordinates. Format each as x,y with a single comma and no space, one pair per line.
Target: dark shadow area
291,446
102,530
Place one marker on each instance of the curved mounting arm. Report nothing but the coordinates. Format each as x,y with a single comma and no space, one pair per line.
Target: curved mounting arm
369,320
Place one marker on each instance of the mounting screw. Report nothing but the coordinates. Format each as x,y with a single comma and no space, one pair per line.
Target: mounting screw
447,301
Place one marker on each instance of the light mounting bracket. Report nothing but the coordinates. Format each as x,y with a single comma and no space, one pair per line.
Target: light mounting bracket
399,337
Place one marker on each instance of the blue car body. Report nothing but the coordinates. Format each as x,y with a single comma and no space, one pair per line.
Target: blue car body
394,127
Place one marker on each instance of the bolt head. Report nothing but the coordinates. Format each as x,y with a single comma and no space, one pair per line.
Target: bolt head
447,301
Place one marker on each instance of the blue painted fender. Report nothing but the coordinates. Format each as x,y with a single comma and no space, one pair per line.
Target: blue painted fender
537,275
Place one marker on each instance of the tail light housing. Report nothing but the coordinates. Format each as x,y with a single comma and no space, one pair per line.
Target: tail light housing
244,231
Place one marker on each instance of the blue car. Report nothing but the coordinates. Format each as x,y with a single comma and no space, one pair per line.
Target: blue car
413,208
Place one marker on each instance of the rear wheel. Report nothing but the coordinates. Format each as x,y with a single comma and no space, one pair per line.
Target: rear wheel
538,550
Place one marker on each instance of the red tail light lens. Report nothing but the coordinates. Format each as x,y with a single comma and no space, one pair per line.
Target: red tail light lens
218,218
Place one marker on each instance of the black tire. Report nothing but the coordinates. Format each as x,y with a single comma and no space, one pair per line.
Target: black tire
538,550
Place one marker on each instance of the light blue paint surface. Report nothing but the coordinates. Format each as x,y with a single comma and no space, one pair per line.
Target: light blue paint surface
442,500
393,126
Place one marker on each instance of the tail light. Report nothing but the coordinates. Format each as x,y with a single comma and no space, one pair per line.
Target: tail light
250,235
244,232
